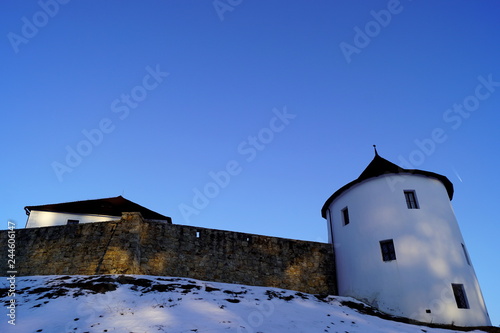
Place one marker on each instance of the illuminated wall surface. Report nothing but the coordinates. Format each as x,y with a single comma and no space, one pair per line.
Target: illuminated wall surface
396,246
135,246
47,219
404,253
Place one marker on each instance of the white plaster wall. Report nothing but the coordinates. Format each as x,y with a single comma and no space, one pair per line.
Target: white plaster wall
47,219
429,255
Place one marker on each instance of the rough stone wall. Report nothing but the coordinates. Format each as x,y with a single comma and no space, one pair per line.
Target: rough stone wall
135,246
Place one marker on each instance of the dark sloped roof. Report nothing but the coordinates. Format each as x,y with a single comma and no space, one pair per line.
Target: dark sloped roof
380,166
109,206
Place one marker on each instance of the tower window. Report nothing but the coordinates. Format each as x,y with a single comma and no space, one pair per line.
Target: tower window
345,216
388,251
69,222
460,296
466,255
411,199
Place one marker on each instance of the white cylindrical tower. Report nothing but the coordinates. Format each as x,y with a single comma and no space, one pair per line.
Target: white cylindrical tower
398,246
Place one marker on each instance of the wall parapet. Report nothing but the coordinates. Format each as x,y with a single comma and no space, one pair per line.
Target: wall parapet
135,246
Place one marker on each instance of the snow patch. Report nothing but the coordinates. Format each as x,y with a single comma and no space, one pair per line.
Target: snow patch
147,304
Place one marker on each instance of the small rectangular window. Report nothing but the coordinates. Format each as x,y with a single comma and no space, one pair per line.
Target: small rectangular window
72,222
345,216
466,254
460,296
411,199
388,251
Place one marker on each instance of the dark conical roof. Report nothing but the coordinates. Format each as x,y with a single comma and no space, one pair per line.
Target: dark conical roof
380,166
108,206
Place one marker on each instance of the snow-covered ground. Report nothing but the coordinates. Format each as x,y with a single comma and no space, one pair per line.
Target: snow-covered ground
146,304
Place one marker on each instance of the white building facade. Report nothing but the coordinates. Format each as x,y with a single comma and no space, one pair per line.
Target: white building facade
87,211
398,246
38,218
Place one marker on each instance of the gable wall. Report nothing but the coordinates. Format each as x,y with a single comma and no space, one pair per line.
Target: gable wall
38,219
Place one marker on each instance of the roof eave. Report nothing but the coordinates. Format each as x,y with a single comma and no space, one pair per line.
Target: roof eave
443,179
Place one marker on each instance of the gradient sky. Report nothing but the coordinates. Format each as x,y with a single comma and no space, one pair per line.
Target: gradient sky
280,101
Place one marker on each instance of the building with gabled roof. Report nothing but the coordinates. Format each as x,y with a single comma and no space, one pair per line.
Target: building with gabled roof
87,211
394,243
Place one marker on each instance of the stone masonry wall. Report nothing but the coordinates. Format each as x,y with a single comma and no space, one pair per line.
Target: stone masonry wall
135,246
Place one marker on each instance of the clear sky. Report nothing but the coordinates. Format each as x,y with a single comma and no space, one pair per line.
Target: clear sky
247,115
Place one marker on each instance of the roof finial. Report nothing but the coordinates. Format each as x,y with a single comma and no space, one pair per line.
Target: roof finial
375,148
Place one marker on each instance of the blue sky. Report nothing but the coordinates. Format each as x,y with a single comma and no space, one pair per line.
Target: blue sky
279,101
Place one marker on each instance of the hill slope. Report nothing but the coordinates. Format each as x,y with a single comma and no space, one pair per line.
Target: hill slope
146,304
